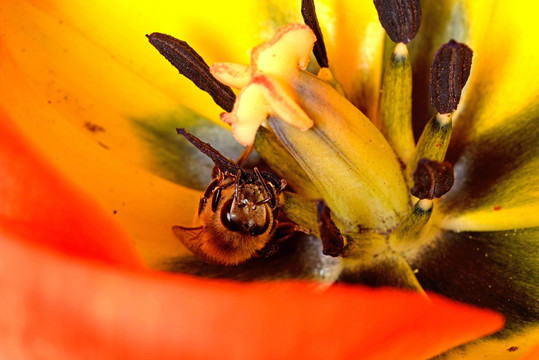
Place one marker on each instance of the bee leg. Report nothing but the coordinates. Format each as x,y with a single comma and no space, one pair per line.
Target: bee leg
269,249
332,240
285,230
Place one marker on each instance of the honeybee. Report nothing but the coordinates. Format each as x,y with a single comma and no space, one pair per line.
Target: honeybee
237,214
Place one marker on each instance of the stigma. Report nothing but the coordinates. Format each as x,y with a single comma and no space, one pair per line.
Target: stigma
265,89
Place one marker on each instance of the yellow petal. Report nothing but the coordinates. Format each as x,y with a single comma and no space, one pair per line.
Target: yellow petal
92,88
354,39
516,347
503,36
50,107
144,204
95,64
497,177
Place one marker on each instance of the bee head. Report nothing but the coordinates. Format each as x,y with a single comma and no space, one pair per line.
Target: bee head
247,212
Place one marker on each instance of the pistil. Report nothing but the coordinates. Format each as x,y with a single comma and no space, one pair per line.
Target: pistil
265,85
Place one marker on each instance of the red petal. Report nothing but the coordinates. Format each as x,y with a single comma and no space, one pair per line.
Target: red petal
57,308
37,204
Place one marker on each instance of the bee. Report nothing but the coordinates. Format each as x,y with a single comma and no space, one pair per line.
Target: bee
237,213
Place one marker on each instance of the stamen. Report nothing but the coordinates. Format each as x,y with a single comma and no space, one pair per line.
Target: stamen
332,240
432,179
396,103
191,65
400,18
434,140
448,75
308,12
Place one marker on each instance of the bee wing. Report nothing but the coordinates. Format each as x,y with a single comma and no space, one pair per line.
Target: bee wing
191,238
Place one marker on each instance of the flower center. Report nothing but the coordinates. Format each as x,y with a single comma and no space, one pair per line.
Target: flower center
377,184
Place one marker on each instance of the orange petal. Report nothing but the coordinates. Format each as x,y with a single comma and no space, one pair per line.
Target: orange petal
39,205
147,206
533,353
58,308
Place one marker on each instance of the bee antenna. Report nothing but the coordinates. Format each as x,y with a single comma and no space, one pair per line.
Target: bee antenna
224,164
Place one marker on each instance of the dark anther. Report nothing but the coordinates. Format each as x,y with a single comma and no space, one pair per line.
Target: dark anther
224,164
192,66
432,179
448,75
400,18
332,240
309,16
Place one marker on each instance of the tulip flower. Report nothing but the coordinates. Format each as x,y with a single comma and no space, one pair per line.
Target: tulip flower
94,176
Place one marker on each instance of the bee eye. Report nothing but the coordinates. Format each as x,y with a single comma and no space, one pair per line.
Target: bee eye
245,219
210,188
216,198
